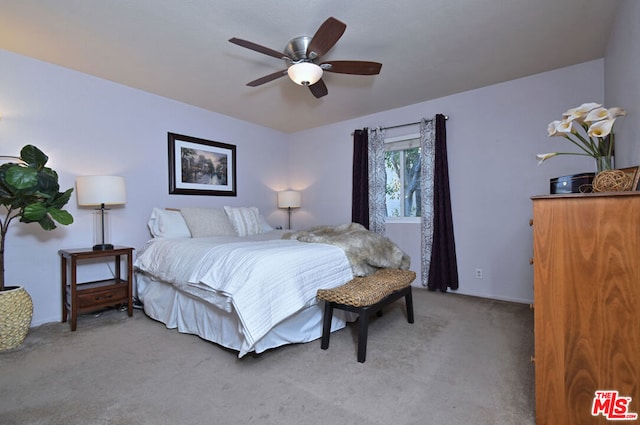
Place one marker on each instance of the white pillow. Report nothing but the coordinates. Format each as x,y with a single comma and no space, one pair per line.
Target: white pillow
246,220
204,222
167,224
266,227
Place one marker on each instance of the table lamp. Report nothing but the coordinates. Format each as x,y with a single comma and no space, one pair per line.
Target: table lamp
289,199
100,191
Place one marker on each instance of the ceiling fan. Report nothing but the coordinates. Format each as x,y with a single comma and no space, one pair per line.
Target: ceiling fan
302,54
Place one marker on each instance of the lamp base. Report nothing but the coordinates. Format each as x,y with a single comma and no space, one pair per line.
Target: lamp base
103,247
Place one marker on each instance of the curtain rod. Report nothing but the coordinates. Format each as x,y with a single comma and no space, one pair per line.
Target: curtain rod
446,117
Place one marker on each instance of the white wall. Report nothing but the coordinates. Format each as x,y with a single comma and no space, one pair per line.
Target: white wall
493,135
622,81
91,126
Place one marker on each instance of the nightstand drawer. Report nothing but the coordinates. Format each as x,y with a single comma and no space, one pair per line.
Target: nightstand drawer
102,296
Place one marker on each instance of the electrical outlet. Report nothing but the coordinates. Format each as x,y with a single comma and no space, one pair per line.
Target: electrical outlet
478,273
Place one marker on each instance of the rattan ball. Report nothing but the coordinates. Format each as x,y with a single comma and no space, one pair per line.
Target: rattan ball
612,181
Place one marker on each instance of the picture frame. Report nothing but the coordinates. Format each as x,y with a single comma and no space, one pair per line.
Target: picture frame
201,167
634,173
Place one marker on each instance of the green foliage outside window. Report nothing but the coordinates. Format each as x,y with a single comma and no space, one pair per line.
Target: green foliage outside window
403,182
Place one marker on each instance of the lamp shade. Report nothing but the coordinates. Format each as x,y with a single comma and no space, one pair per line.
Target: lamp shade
305,73
98,190
289,199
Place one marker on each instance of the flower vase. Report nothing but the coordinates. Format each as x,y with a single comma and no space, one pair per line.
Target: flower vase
604,163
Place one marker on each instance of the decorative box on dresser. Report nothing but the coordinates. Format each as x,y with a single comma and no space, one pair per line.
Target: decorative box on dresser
586,257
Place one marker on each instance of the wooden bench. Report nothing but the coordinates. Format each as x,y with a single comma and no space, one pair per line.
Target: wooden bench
366,295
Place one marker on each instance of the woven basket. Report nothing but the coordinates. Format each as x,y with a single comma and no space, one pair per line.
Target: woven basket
16,311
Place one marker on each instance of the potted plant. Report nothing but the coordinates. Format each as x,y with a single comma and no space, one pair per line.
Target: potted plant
29,191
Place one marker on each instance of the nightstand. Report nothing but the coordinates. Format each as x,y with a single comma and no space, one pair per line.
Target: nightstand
82,297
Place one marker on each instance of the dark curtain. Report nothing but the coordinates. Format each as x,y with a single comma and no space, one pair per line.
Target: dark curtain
360,181
443,270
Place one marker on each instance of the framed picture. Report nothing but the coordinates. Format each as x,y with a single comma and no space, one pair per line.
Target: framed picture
201,167
634,173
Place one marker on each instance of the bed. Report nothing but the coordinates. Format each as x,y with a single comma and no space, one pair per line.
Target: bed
225,275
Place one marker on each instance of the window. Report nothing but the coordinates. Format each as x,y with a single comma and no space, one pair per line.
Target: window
402,165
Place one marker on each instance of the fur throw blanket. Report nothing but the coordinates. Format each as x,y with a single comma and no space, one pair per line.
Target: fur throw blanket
367,251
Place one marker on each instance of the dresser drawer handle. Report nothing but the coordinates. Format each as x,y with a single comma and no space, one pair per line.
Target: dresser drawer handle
103,297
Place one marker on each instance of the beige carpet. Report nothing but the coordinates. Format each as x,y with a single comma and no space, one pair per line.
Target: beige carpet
465,361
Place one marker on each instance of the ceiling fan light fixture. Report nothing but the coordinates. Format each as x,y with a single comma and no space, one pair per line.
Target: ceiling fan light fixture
305,73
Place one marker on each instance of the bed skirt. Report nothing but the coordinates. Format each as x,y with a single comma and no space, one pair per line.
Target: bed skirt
187,313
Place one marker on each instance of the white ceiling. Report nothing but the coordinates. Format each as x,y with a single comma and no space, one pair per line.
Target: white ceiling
429,48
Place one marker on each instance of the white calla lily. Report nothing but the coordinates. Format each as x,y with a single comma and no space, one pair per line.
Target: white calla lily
616,112
597,115
564,127
589,127
577,114
544,156
552,129
601,129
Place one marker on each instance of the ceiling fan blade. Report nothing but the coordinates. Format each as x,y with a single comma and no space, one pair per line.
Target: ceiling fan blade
326,37
258,48
352,67
319,89
267,78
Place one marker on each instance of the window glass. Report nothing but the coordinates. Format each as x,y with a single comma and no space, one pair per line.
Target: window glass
402,165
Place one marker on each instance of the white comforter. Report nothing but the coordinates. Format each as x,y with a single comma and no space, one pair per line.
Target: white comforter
263,281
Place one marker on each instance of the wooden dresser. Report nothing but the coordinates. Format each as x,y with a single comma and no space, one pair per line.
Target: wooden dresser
586,256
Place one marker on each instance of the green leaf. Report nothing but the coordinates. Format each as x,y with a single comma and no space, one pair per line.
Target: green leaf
33,156
48,182
21,178
46,223
61,199
33,212
61,216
